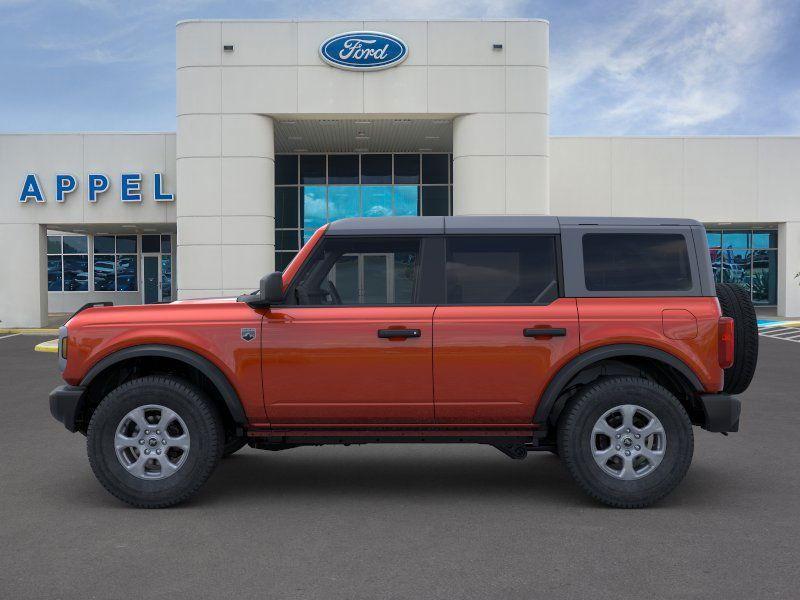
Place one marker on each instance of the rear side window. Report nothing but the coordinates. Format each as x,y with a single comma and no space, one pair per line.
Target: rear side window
645,262
501,270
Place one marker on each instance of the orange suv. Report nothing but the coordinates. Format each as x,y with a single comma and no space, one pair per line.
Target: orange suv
601,340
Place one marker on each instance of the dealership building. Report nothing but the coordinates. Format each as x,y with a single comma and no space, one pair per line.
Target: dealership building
283,126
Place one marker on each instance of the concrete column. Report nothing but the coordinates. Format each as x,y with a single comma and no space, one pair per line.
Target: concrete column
226,221
788,265
24,275
501,164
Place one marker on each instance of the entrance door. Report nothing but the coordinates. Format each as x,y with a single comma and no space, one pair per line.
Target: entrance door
354,345
151,288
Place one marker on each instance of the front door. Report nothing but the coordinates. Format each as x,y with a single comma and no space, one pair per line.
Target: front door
353,343
503,331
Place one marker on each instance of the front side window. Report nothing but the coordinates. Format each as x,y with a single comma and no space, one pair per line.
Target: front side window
501,270
644,262
361,271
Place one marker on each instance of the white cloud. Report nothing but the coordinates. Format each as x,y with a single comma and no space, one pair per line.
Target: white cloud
669,69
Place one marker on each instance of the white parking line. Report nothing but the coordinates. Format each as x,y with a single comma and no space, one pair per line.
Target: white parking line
2,337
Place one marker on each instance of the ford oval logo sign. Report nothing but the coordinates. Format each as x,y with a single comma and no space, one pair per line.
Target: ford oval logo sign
363,50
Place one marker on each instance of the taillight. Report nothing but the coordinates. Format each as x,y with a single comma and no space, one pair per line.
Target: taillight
725,342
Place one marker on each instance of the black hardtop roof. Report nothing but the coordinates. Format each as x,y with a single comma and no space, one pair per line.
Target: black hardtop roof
488,224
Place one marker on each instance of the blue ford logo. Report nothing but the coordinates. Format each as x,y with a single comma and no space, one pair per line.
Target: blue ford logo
363,50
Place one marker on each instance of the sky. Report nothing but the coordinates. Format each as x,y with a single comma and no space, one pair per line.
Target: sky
617,67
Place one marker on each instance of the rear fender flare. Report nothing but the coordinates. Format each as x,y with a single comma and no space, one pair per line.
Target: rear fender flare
587,359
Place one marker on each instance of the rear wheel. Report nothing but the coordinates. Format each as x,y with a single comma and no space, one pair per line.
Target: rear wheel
626,441
153,441
735,302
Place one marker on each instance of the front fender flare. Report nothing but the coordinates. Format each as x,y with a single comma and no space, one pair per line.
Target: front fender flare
587,359
205,366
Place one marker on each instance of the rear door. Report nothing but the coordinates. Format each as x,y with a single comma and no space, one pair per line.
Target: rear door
503,331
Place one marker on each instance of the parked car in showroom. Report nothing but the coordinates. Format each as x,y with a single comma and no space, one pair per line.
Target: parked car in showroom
604,340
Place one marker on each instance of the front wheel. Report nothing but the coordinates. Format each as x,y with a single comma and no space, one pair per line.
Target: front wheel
153,441
626,441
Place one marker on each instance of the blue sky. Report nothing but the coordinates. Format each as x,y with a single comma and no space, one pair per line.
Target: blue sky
617,67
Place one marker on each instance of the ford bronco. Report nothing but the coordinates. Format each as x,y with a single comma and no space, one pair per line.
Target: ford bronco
602,340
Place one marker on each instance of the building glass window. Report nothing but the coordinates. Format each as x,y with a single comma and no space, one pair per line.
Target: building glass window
115,261
67,263
314,189
747,257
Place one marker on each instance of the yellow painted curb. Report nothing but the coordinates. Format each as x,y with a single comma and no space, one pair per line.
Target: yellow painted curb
49,346
32,331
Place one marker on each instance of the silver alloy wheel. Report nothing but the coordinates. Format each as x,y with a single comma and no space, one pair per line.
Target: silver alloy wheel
628,442
152,442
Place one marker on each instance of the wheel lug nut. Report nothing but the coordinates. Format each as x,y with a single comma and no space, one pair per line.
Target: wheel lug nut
158,432
617,436
628,430
164,442
627,452
146,431
141,441
618,446
158,451
638,447
147,451
638,435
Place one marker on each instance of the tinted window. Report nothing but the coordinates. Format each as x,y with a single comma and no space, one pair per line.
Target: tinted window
376,168
636,262
434,168
361,271
343,168
312,168
104,243
501,270
285,169
75,244
151,243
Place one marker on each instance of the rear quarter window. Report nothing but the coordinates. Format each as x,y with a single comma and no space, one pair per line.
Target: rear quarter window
645,262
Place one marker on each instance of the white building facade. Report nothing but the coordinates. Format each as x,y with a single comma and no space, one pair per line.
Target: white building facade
278,135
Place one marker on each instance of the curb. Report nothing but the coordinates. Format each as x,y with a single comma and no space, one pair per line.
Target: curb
29,331
48,346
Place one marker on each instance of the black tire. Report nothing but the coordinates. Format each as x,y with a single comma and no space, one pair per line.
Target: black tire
233,444
735,303
205,434
575,436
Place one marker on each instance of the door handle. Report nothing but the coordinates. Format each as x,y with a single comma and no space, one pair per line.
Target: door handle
544,332
399,333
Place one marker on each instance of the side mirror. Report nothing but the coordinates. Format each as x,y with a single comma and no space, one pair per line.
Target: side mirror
270,291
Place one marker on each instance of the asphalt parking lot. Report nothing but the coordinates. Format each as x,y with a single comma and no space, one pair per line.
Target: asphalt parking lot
400,522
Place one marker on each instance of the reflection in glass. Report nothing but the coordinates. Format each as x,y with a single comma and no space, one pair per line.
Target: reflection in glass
314,215
406,168
54,279
714,239
312,168
75,244
342,202
344,276
765,277
166,277
286,239
166,244
104,272
104,244
126,273
126,244
765,239
405,200
76,273
282,260
376,168
343,168
54,244
735,239
434,168
286,207
376,200
736,267
151,243
434,201
286,169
